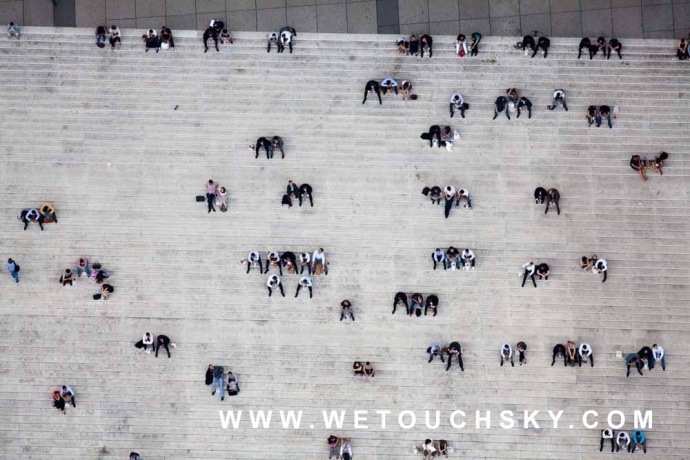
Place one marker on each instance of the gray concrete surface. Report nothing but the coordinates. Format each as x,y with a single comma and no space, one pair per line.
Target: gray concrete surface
558,18
121,142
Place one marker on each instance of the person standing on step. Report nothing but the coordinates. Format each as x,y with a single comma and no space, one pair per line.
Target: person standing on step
210,34
558,99
449,194
389,85
304,282
604,112
305,261
584,354
524,104
416,304
218,373
454,351
254,260
13,30
522,351
305,191
210,195
467,259
101,32
601,266
530,268
401,298
474,44
373,87
500,105
457,103
287,35
553,198
615,46
558,351
438,257
542,45
164,341
13,268
426,44
346,310
507,354
585,44
273,282
272,40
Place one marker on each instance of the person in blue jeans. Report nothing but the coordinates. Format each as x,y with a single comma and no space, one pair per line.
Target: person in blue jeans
14,269
638,439
417,299
558,99
436,350
633,360
83,267
659,355
218,372
604,112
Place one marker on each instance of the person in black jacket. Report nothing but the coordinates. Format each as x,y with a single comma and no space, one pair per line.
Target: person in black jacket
614,45
585,43
528,45
305,189
454,350
210,34
401,297
559,351
431,303
553,199
540,195
646,355
427,43
152,41
289,261
263,143
292,191
523,104
167,37
543,46
600,46
164,341
500,105
277,143
372,87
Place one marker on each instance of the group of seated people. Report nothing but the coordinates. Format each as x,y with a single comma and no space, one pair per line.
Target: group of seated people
529,46
462,48
596,115
95,273
282,39
315,264
646,357
345,451
216,31
623,441
365,370
551,196
43,215
507,353
440,138
600,45
512,102
63,398
450,194
594,263
152,40
452,351
216,377
415,46
572,354
431,449
216,196
269,146
655,164
161,341
388,86
453,258
301,192
416,304
541,270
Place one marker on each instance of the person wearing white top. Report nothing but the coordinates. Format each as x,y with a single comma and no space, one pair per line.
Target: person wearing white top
449,194
659,355
529,271
389,85
273,259
439,257
151,40
457,103
600,266
463,194
507,354
253,260
607,434
305,281
67,394
146,341
285,39
467,259
305,261
622,440
461,45
558,99
584,353
272,40
429,449
115,37
319,264
273,282
345,447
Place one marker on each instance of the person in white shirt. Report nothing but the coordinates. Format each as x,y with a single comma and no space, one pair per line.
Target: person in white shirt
253,260
439,257
319,264
600,266
467,259
558,99
449,194
286,34
273,259
389,85
529,271
507,354
622,441
305,261
463,194
272,40
607,434
458,103
461,46
305,281
115,37
152,41
67,394
146,342
273,282
345,448
584,353
429,449
659,355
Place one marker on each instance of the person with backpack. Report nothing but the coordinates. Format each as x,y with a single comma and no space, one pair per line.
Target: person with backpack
13,268
210,34
558,99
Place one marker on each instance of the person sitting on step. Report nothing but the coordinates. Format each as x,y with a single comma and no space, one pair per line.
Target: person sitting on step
542,45
369,370
210,34
389,85
431,304
571,353
528,45
13,30
226,37
435,350
272,40
402,45
558,99
319,264
405,89
358,368
346,310
474,44
468,260
463,195
507,354
401,298
655,164
623,441
584,354
305,261
151,40
273,259
540,195
585,44
373,87
426,44
457,103
67,277
49,215
167,41
607,433
600,266
615,46
289,261
416,304
414,45
286,37
559,351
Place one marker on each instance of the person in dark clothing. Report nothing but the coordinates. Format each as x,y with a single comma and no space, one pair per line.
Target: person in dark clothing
591,115
287,35
600,46
607,434
426,44
543,271
633,360
418,301
263,143
646,355
217,25
292,191
474,44
614,45
524,104
553,199
500,105
152,41
637,164
167,37
305,191
210,34
277,143
435,194
454,350
400,297
346,310
543,46
682,50
540,195
434,132
585,43
414,45
431,303
604,112
528,45
559,351
372,87
522,349
289,261
164,341
100,36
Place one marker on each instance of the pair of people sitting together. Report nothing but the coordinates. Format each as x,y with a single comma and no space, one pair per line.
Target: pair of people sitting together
269,146
551,196
530,47
363,370
301,192
594,263
44,214
282,39
152,40
416,304
655,164
441,138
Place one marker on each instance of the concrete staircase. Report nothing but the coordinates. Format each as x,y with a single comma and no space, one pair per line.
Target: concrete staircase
96,132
